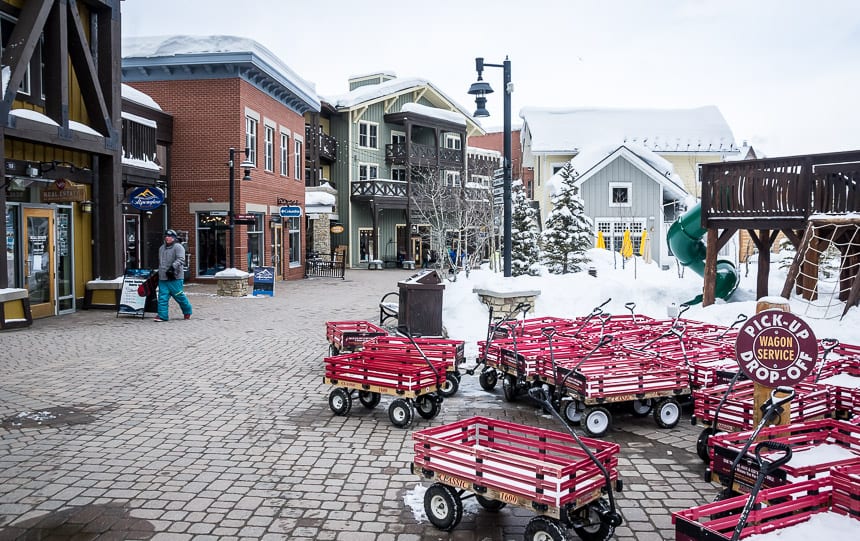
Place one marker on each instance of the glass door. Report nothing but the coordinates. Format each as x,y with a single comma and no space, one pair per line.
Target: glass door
131,233
277,249
39,260
65,268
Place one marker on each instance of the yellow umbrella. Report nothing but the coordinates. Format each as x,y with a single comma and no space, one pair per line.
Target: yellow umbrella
600,242
642,242
626,245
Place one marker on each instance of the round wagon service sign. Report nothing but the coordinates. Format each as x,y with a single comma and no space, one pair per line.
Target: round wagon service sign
776,348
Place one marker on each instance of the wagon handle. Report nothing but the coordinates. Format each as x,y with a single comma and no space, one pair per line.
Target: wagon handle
404,329
631,306
765,467
740,319
540,395
829,344
596,311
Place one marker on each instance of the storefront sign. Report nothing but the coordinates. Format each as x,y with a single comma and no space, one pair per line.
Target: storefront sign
264,281
146,198
64,191
336,229
776,348
130,303
291,212
283,201
245,219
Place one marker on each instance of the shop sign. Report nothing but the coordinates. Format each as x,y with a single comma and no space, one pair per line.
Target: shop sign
245,219
291,212
64,191
146,198
776,348
336,229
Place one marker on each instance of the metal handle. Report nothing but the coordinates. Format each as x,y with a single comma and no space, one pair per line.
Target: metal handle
829,344
778,401
548,332
767,466
605,339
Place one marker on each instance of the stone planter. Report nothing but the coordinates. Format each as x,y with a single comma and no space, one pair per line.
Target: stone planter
504,302
232,283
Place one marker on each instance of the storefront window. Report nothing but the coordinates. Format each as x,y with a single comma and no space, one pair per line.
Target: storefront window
256,237
212,230
295,242
12,246
65,276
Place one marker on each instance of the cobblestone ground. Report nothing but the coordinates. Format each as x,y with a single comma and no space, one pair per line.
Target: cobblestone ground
219,428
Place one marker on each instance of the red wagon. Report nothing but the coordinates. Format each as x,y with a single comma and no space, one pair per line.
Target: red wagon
451,352
501,463
775,509
414,381
350,335
817,446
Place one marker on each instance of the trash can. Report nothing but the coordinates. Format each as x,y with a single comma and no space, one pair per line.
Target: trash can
420,309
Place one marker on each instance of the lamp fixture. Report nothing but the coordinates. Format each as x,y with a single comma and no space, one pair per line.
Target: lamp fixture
87,207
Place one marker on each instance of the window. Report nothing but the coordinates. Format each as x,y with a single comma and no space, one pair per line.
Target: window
556,167
251,138
613,232
398,173
368,171
619,194
211,243
452,140
452,178
256,250
270,148
298,163
295,226
367,135
285,154
398,138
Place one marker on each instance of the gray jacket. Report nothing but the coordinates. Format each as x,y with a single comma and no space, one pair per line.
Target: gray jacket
171,256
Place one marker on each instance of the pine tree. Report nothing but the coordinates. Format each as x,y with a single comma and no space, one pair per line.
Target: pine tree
525,236
568,232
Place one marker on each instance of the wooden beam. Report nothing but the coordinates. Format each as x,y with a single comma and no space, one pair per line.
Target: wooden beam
358,113
419,94
793,236
21,46
853,295
710,276
87,75
794,269
56,55
725,237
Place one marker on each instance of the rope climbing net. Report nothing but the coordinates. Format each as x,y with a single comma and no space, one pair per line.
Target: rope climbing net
828,268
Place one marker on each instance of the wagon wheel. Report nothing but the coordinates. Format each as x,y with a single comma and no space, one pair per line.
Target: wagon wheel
667,413
369,399
571,411
641,408
702,443
724,494
400,413
332,351
339,401
544,529
443,507
596,421
427,406
493,506
451,385
591,526
509,388
488,379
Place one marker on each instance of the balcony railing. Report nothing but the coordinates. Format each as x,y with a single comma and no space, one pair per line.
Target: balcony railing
138,140
378,188
327,144
782,192
418,154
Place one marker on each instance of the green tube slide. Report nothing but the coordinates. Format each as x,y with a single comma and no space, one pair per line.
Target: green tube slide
685,240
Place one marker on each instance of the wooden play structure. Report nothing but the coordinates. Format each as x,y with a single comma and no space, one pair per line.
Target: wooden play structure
814,200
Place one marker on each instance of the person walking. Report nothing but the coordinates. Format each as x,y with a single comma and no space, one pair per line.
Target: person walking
171,268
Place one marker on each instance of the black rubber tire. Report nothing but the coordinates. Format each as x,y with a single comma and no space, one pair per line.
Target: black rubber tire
596,421
427,406
451,385
493,506
400,413
702,444
509,388
369,399
340,401
724,494
544,529
571,412
488,380
443,507
667,413
594,528
641,408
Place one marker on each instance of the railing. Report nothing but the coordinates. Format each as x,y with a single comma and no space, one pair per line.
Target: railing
138,140
365,189
327,143
396,153
782,191
326,266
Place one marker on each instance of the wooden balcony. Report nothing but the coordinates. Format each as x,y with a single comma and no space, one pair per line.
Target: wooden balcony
779,193
423,155
325,147
383,193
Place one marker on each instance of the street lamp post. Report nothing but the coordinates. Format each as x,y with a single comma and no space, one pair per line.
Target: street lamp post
480,89
246,165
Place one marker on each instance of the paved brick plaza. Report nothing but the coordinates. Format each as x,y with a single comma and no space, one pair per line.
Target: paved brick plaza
219,428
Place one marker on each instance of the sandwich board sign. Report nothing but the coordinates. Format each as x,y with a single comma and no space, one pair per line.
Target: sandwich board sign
264,281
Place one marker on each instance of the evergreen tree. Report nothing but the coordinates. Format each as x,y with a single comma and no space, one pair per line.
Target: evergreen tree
568,232
525,236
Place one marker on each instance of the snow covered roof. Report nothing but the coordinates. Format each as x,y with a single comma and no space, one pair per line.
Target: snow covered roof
206,50
135,95
592,159
435,112
564,130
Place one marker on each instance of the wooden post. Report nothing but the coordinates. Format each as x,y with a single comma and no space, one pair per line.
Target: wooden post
761,394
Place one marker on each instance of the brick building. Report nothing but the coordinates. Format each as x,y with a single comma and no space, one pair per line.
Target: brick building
229,93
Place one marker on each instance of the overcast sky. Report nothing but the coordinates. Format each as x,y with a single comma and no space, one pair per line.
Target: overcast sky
784,73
